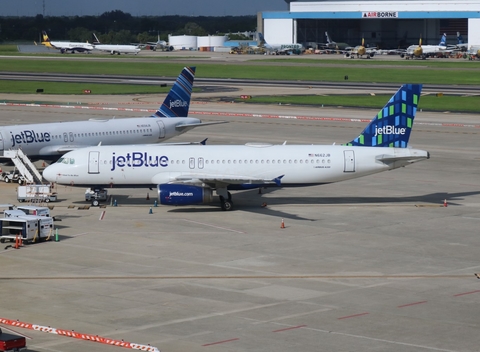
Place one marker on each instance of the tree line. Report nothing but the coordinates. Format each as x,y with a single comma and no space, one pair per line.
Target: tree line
118,27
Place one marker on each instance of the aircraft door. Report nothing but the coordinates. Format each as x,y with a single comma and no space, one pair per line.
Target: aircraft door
93,167
161,129
1,142
191,163
349,161
71,136
65,137
200,163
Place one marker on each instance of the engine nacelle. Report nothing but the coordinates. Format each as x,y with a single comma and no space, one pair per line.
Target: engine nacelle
174,194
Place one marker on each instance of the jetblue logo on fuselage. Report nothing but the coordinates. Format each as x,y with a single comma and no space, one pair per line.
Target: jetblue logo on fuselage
138,159
390,130
178,104
29,136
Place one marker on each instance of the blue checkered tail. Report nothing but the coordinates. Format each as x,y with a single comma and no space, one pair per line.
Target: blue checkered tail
393,124
177,102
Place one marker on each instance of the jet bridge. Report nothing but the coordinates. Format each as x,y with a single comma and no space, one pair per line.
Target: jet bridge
23,165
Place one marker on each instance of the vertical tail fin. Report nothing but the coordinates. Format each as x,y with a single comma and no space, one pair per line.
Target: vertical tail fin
95,39
328,38
443,40
177,102
45,37
459,38
393,124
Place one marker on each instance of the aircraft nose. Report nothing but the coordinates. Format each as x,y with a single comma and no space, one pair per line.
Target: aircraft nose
50,173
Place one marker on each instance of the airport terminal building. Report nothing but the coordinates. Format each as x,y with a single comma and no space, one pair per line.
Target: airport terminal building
387,24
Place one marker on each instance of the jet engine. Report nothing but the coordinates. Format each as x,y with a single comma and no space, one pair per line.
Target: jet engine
175,194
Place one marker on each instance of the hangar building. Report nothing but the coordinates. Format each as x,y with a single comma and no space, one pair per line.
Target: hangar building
387,24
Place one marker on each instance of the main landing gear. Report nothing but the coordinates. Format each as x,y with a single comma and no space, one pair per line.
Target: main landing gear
227,204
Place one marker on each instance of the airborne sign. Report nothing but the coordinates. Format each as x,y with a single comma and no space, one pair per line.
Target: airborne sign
380,14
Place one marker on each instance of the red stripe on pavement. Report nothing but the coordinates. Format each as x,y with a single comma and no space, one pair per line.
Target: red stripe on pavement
411,304
353,316
466,293
219,342
290,328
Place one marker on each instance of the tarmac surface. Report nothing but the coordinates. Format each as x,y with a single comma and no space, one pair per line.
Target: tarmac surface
372,264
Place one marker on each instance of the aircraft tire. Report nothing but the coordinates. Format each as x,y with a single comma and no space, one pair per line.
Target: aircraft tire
227,205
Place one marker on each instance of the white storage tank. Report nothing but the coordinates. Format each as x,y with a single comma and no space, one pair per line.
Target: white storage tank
183,42
211,41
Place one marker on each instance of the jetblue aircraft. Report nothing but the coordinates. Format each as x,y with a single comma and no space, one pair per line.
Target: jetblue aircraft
49,141
187,175
423,51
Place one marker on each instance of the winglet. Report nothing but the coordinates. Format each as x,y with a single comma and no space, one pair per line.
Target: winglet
393,124
177,102
278,180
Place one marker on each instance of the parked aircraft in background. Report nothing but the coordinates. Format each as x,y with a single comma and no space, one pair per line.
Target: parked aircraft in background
360,51
187,175
423,51
330,44
280,49
115,48
159,44
49,141
64,47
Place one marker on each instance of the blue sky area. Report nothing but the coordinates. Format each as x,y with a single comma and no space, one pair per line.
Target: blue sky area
141,7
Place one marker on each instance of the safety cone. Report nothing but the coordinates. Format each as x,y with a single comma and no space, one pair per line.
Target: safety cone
16,242
445,203
148,196
150,211
282,226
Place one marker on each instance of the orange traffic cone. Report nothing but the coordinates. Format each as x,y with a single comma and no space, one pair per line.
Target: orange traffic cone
445,203
282,226
148,196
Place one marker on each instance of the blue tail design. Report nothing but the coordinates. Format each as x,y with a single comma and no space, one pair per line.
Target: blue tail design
393,124
443,40
177,102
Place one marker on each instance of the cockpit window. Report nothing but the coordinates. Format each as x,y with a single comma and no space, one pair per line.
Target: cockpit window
66,161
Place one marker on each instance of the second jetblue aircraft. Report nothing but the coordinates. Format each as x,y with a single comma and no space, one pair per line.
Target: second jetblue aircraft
189,174
49,141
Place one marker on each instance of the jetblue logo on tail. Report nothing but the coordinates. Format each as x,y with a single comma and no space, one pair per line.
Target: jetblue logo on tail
178,104
393,124
389,130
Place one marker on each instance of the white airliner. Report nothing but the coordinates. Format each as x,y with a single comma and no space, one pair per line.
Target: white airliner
293,48
115,48
187,175
423,51
64,47
48,141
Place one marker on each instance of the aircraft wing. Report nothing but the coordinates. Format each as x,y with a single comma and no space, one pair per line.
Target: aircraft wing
188,126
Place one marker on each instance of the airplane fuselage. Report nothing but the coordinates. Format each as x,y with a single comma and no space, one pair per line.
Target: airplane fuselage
243,165
49,141
118,49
